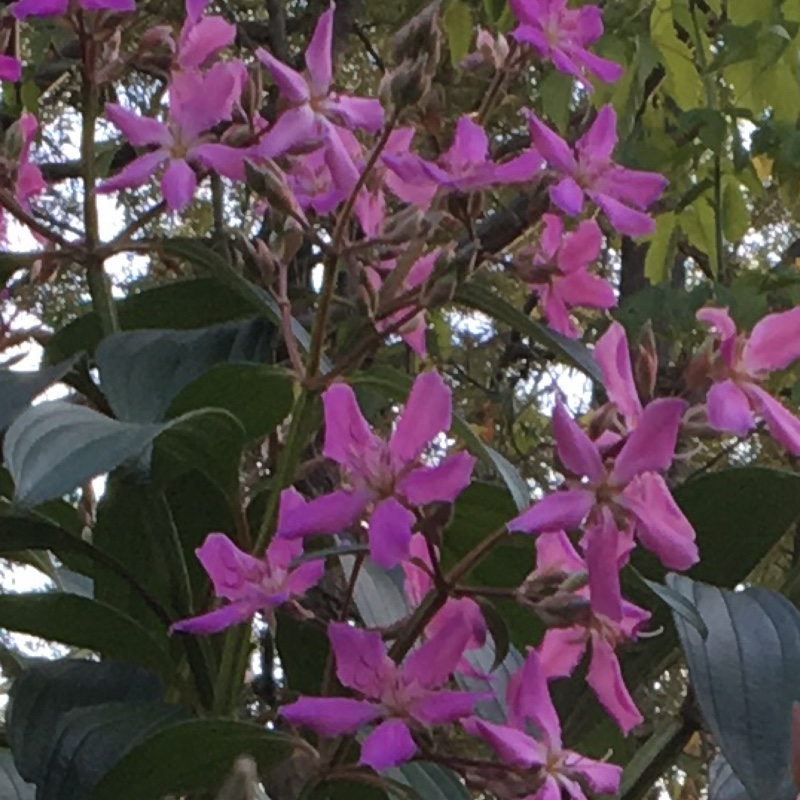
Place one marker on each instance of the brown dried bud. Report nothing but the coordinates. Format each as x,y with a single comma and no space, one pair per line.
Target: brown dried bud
267,180
422,34
154,39
645,366
563,610
406,85
252,94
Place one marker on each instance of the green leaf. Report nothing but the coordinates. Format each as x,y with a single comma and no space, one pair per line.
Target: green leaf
12,786
683,81
48,690
431,781
745,676
735,213
82,622
202,255
494,9
482,298
260,397
141,372
191,756
661,252
55,447
18,389
183,304
458,26
677,603
699,223
555,94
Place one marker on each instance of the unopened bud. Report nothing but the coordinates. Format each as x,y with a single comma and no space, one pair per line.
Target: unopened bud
252,94
269,181
406,85
422,34
154,39
563,610
645,367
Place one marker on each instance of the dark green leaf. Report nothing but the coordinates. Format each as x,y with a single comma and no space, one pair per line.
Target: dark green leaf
83,622
18,389
678,604
745,676
722,783
47,691
141,372
303,649
431,781
484,299
12,787
458,26
190,756
260,397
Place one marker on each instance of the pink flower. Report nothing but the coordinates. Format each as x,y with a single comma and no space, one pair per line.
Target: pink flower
418,582
562,35
250,584
313,109
590,172
404,696
558,769
742,363
556,268
10,69
413,332
612,622
197,102
17,174
23,9
632,489
613,357
202,37
466,166
385,477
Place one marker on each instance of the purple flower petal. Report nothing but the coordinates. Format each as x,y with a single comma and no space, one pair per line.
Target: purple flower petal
518,170
361,660
440,484
581,248
552,236
222,158
228,567
774,342
561,651
440,708
470,144
781,423
626,220
10,69
329,514
139,131
319,55
296,127
427,413
39,8
651,446
119,6
562,510
358,113
390,530
292,84
601,547
660,524
602,778
608,71
568,196
729,409
138,172
514,747
556,312
389,745
331,716
613,358
204,39
217,620
309,574
577,451
580,289
432,664
347,433
550,145
529,700
634,187
178,184
598,143
605,678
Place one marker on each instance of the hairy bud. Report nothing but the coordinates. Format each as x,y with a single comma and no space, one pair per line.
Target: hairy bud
421,35
645,366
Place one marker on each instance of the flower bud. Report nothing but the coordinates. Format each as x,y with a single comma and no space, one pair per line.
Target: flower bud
420,35
645,365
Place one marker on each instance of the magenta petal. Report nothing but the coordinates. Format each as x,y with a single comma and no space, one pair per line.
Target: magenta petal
518,170
389,745
577,451
774,342
718,318
581,247
561,651
601,777
661,526
178,184
552,236
557,314
296,127
110,5
729,408
361,660
227,566
598,143
39,8
605,594
202,40
309,574
10,69
330,716
292,84
139,131
608,71
635,187
605,678
568,196
651,446
562,510
550,145
432,664
217,620
529,700
781,423
440,708
328,514
613,358
223,159
319,55
440,484
626,220
427,413
347,434
390,530
470,144
513,746
555,551
138,172
358,113
580,289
